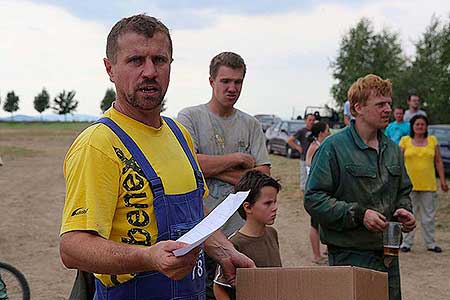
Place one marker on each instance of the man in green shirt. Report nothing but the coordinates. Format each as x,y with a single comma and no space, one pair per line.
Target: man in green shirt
358,183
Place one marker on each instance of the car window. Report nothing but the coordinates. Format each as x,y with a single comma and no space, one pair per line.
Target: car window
442,135
277,127
266,119
296,126
284,126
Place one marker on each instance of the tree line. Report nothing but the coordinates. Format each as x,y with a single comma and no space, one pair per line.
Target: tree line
64,103
426,74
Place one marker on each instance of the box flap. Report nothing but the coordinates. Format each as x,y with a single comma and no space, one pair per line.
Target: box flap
370,284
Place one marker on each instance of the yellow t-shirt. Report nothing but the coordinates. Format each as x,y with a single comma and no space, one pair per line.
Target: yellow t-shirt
419,162
104,184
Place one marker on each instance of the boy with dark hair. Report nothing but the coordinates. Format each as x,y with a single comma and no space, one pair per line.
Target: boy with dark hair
255,239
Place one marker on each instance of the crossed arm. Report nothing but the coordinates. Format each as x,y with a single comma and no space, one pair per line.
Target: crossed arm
229,167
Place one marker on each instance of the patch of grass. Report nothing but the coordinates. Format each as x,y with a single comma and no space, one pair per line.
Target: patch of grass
45,125
287,171
13,131
13,152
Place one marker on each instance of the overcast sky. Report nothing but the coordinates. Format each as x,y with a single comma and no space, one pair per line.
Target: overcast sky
287,46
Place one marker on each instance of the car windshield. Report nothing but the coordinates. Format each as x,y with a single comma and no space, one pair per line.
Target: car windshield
266,119
442,135
295,126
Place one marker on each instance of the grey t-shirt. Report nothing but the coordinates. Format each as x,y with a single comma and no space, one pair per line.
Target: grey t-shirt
408,115
214,135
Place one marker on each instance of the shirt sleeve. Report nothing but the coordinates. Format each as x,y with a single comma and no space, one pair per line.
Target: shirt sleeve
186,118
434,141
91,191
299,135
403,142
404,200
190,142
258,146
321,186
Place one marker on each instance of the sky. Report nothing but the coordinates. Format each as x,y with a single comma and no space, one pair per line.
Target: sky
287,46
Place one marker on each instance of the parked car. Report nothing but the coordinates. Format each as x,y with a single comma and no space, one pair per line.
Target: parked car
267,120
278,135
442,133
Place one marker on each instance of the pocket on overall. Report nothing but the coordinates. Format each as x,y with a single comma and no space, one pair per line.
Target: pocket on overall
178,230
194,283
186,208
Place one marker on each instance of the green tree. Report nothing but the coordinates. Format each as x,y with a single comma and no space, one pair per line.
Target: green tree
430,71
42,101
11,103
363,51
65,103
109,98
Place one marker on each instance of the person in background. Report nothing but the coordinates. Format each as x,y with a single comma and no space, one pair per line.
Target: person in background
358,183
319,131
347,113
422,159
133,184
413,108
256,239
300,142
397,129
228,141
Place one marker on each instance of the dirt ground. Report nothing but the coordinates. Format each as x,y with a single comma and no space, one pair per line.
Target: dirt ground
32,197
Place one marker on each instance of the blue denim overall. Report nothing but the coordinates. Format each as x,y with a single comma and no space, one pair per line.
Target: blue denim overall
175,214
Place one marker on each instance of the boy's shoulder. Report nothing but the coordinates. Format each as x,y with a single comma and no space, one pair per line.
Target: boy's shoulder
239,239
271,231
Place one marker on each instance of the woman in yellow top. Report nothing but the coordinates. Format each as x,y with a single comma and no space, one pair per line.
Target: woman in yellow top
422,159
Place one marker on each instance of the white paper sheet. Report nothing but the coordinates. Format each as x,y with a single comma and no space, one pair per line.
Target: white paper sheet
213,221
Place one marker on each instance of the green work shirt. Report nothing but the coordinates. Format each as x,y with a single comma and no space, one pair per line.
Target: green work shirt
347,177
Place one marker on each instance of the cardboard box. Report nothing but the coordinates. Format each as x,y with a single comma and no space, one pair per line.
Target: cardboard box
311,283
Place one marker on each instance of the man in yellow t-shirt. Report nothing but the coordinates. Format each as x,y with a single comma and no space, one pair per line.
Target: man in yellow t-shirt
134,185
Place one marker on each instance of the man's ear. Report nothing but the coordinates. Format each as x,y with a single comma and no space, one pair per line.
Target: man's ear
247,207
211,81
109,68
358,107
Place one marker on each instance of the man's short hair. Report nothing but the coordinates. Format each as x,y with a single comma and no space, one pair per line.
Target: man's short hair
399,107
254,181
364,87
227,59
140,24
412,95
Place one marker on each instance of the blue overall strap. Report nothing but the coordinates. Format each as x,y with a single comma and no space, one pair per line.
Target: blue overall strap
181,139
155,182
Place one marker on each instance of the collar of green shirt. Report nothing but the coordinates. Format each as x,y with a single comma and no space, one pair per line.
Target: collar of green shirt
382,139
